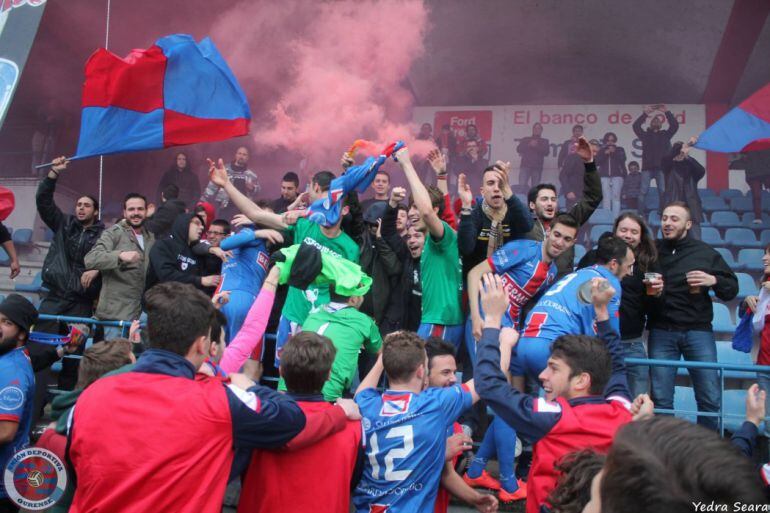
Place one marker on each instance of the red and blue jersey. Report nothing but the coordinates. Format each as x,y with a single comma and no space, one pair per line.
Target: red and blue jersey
247,268
405,439
560,312
17,392
524,274
556,427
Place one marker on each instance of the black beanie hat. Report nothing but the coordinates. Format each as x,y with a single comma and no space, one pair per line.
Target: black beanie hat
19,310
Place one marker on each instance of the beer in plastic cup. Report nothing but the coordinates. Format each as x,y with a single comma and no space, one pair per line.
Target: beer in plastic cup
648,279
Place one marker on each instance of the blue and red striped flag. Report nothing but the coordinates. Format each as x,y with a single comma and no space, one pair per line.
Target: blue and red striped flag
744,128
175,92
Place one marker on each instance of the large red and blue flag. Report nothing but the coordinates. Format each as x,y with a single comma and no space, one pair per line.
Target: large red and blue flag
175,92
744,128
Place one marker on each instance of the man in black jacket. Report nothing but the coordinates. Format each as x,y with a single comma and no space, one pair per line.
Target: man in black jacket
682,174
172,259
533,151
680,318
543,202
499,218
405,306
656,142
71,289
159,222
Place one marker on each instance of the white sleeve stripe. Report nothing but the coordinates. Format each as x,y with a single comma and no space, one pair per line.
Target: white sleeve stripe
250,399
622,400
543,406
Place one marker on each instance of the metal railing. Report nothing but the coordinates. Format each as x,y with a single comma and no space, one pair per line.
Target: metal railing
719,367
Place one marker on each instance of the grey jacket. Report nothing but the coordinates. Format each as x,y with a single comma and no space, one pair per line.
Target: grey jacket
122,283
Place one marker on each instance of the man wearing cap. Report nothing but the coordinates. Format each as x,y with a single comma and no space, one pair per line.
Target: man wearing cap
17,383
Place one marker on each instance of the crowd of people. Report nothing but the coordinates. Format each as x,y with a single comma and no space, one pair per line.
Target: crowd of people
358,399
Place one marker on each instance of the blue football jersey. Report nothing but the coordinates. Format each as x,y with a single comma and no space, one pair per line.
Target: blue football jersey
405,440
247,268
560,312
17,394
524,274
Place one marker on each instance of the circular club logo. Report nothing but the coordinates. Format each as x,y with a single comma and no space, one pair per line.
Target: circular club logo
11,398
35,478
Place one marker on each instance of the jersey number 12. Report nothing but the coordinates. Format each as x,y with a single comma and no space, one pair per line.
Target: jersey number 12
406,434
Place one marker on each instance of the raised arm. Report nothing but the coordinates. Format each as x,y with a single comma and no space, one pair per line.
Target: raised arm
601,295
49,212
371,379
592,185
474,281
533,418
218,176
420,195
250,334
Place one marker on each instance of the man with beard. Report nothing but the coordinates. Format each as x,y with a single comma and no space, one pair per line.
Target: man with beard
17,383
122,255
243,179
71,288
543,203
679,319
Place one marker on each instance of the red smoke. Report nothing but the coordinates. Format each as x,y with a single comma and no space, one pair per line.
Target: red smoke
329,72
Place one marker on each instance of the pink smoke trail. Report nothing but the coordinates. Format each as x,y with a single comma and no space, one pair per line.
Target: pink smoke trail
326,73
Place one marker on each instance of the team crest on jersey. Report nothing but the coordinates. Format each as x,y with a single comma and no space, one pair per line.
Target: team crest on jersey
35,479
11,398
378,508
395,404
263,260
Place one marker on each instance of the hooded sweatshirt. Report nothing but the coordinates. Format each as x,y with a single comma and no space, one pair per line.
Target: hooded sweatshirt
172,259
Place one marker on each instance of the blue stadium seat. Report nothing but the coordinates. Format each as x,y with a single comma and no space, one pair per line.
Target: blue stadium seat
764,238
653,219
748,219
729,260
722,322
712,204
726,219
562,202
36,286
735,409
750,260
22,236
580,252
728,194
741,204
746,286
684,400
601,216
652,202
741,238
48,235
711,236
726,354
597,231
5,260
706,193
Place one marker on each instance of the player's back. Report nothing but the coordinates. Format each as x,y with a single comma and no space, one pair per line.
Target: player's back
560,311
405,439
247,268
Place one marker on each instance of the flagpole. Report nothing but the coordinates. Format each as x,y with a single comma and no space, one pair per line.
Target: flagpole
101,157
